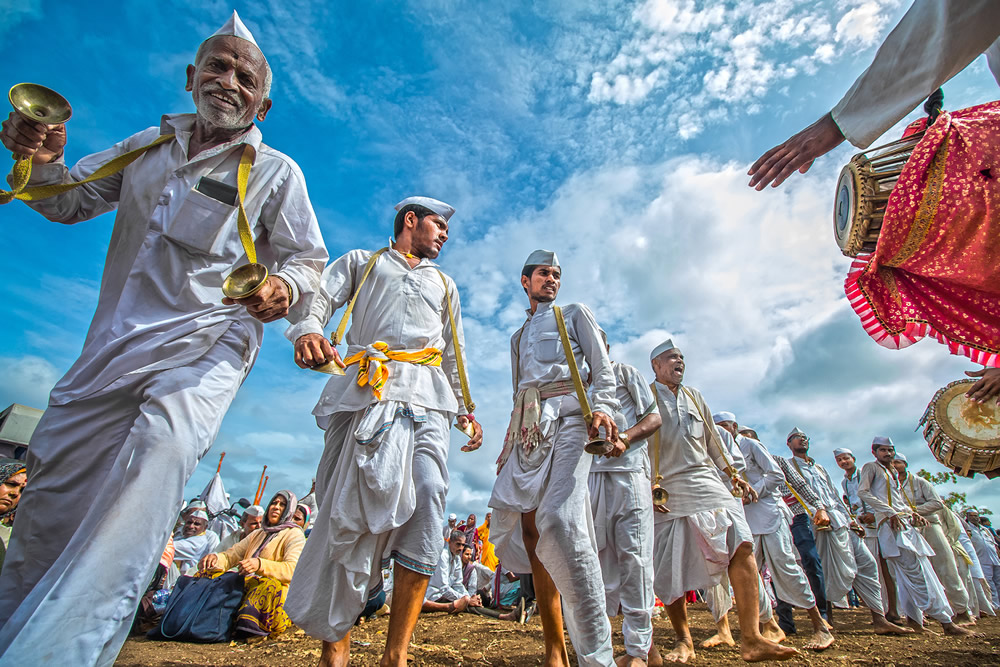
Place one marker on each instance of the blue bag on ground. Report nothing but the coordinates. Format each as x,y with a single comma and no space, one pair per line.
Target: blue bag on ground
201,609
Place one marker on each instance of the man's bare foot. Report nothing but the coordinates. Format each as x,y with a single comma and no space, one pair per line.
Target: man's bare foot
654,659
963,619
459,605
819,641
758,650
884,627
683,651
919,628
956,631
772,631
719,638
336,654
629,661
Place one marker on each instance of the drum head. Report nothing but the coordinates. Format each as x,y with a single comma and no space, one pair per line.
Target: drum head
845,207
975,424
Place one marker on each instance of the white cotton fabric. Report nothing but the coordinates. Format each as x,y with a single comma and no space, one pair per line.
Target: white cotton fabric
777,550
557,490
918,591
235,27
172,247
636,402
933,42
848,564
766,478
381,486
446,582
693,552
189,550
137,441
622,506
719,599
401,306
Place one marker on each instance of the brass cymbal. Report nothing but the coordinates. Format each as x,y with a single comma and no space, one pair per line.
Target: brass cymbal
39,104
244,281
599,446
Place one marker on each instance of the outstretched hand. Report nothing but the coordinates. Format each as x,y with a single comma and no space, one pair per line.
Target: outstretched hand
797,153
988,386
43,143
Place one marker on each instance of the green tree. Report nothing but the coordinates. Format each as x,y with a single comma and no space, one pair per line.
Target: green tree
952,499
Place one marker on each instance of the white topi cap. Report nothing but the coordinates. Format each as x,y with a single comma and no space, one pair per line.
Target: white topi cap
723,417
882,441
452,517
901,457
439,207
236,28
796,432
668,344
255,510
843,450
542,258
198,514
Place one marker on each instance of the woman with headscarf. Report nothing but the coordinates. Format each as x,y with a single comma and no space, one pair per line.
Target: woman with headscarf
267,557
13,475
301,516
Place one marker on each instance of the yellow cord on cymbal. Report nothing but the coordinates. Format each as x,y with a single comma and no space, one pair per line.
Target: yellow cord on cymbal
242,222
22,172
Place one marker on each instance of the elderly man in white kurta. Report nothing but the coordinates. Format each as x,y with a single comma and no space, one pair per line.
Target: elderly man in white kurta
541,520
719,597
847,562
924,500
933,42
705,533
446,590
623,513
164,356
382,480
918,590
772,540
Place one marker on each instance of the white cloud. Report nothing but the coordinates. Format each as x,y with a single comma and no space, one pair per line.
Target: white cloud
26,380
862,25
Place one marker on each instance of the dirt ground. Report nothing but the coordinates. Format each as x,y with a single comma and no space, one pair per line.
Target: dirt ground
474,640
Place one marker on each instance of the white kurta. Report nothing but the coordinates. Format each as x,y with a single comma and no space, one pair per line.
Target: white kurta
189,550
382,481
551,479
918,590
446,582
623,518
159,367
934,41
697,539
988,560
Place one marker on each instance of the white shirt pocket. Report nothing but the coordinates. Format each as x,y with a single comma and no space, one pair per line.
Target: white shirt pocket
203,225
549,347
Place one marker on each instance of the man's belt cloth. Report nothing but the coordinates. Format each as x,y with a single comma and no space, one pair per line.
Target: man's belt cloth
373,368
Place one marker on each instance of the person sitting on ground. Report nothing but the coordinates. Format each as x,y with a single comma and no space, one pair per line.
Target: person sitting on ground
445,591
13,475
472,536
251,520
476,577
302,516
195,541
487,555
267,558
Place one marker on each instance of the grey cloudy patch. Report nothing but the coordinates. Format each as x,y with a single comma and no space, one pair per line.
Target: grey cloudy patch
27,380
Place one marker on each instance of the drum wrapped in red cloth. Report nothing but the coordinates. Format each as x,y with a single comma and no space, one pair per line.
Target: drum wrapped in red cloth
936,268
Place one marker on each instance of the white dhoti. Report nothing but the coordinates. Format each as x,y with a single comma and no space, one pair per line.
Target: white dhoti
551,480
381,486
777,551
945,567
965,572
693,552
992,575
918,590
106,481
622,506
848,564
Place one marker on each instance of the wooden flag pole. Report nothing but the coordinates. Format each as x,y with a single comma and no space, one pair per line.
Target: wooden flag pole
217,470
256,498
262,489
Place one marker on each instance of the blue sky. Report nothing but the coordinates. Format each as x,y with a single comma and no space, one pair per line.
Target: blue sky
617,134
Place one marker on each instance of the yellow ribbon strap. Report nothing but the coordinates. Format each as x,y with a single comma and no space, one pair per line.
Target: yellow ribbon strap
242,223
581,393
372,363
463,379
338,335
22,172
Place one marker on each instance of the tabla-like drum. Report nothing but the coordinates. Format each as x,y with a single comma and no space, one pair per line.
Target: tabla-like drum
863,192
962,434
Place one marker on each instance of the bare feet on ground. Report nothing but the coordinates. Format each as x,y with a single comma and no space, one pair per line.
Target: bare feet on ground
964,619
956,631
771,631
918,628
884,627
336,654
717,639
629,661
654,659
819,641
683,651
763,649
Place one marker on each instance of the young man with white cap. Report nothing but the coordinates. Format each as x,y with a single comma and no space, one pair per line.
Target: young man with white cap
165,353
924,500
383,478
541,505
772,540
623,512
918,590
847,562
701,533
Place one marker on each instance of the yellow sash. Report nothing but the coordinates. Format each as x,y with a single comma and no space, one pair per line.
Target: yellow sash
373,370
